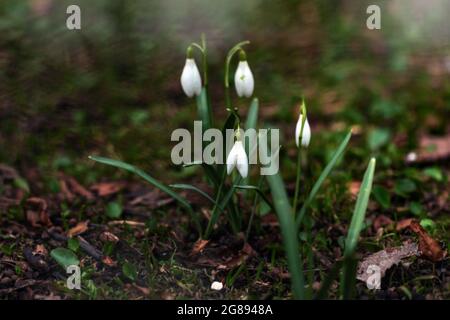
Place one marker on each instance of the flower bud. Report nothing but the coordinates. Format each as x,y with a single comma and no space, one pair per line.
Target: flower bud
191,82
243,78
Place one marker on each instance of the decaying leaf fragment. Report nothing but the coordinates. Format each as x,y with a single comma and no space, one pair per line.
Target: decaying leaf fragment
385,259
78,229
199,245
428,246
36,212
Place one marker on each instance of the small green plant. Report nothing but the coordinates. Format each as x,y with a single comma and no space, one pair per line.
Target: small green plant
294,222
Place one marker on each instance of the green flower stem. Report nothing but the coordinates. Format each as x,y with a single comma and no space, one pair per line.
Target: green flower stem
205,61
230,55
297,180
215,208
202,49
299,164
252,215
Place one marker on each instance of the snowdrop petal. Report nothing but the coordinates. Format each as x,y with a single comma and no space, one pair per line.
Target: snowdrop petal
243,80
191,82
231,160
306,136
238,158
242,161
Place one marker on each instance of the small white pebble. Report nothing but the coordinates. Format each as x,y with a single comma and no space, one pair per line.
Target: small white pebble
216,285
411,157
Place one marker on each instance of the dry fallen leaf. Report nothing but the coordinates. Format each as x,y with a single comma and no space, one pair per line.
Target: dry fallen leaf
235,261
403,224
108,261
36,212
70,187
143,290
80,228
109,237
385,259
104,189
428,246
199,245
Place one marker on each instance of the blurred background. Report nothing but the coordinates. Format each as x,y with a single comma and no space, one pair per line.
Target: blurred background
112,88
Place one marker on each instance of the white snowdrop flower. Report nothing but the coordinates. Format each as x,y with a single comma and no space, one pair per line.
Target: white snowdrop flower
306,136
191,82
216,285
243,78
238,158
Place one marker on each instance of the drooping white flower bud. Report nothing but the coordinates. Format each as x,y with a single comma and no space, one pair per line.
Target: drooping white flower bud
238,158
191,82
243,78
306,136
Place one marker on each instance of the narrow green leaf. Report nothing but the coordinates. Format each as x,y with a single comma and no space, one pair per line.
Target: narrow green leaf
252,120
64,257
145,176
193,188
289,233
360,209
258,190
154,182
349,276
210,171
203,110
251,123
322,177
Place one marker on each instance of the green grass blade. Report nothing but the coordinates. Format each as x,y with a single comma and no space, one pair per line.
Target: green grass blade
210,171
252,119
221,206
193,188
251,123
203,109
259,191
289,233
349,273
340,150
149,179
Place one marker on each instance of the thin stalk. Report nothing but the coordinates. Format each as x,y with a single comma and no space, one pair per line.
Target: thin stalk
252,215
205,62
299,164
215,208
228,60
234,215
297,180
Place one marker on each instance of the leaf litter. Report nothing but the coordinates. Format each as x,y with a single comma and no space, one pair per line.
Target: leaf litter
426,248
